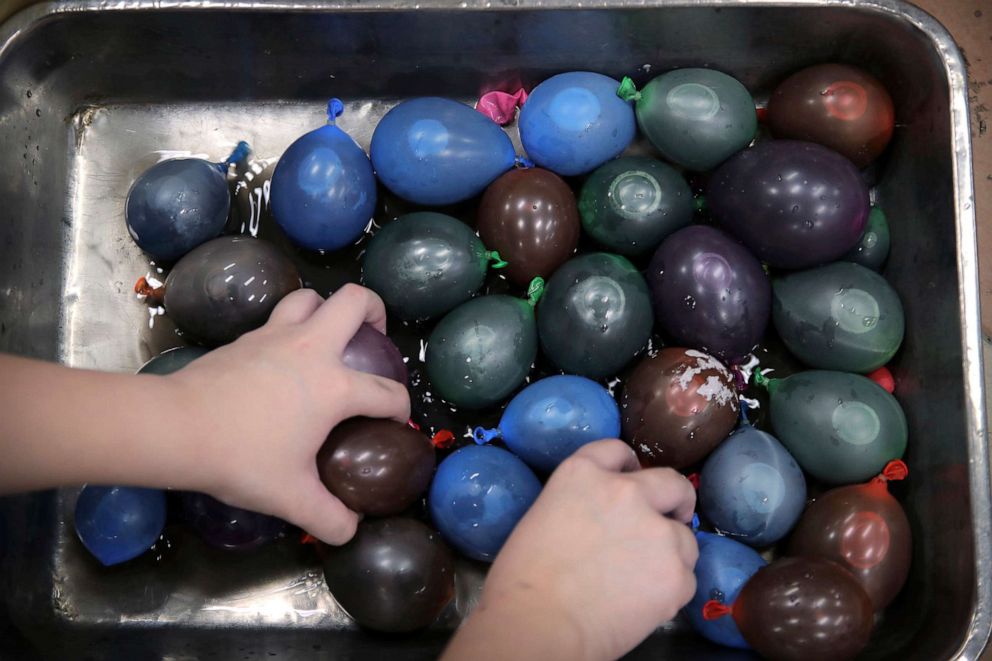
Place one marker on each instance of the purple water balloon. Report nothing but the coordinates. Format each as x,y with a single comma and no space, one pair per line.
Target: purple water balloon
226,527
709,292
794,204
372,352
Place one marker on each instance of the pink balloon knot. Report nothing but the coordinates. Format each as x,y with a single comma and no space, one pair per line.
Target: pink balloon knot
501,106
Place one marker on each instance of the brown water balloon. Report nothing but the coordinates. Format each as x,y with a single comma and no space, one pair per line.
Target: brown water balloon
376,467
677,407
864,529
531,219
801,609
838,106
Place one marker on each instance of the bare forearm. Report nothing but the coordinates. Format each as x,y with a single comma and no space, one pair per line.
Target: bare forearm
61,426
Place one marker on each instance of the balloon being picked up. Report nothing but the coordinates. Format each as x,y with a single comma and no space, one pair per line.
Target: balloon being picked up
865,530
838,317
751,488
177,204
376,467
801,609
478,496
227,287
426,263
552,418
323,188
373,352
117,524
595,315
842,428
709,292
574,122
677,406
794,204
530,218
483,350
696,118
435,151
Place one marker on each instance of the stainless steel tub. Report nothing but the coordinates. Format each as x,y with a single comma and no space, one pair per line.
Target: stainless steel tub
90,90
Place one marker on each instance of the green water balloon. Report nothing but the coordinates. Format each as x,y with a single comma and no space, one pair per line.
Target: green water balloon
842,428
696,118
632,203
873,247
482,351
595,315
842,316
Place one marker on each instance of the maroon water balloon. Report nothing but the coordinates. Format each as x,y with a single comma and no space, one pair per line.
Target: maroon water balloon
377,467
864,529
374,353
709,292
801,609
794,204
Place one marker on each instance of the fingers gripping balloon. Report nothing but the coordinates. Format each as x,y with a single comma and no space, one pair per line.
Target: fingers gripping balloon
323,190
373,352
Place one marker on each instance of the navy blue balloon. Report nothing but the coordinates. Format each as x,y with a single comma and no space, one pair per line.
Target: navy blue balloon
226,527
723,567
177,204
478,495
436,151
323,190
117,524
574,122
552,418
751,488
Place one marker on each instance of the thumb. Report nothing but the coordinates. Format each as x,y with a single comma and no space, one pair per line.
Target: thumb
322,514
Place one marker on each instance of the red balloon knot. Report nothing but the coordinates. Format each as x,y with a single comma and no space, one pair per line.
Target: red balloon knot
714,610
762,113
883,377
443,439
307,538
410,423
693,480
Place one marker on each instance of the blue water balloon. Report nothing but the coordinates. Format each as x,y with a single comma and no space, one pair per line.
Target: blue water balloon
552,418
478,495
323,190
574,122
751,488
723,567
436,151
117,524
177,204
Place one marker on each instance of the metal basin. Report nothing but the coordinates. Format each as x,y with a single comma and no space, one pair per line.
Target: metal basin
91,93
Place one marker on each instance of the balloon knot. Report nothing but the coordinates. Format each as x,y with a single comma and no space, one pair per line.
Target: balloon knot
501,106
307,538
699,202
535,290
739,381
334,110
744,410
483,435
523,162
761,380
154,295
627,90
694,481
443,439
410,423
894,471
497,261
762,113
239,154
767,269
714,610
883,377
694,524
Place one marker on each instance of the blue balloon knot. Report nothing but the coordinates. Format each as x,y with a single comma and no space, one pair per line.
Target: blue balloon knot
334,109
694,524
481,435
523,162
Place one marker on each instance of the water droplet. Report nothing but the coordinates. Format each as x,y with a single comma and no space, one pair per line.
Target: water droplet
795,208
689,302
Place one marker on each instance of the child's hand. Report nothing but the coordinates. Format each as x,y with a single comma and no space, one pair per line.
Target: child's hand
601,559
261,407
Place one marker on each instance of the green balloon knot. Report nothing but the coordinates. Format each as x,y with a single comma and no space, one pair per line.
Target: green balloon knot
497,261
767,269
627,90
700,203
762,380
535,290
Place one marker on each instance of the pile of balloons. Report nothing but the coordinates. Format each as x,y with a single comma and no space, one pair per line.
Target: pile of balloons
587,290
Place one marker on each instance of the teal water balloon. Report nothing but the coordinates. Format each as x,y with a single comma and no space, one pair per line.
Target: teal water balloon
424,264
482,351
842,428
436,151
873,248
842,316
696,118
552,418
595,315
631,204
